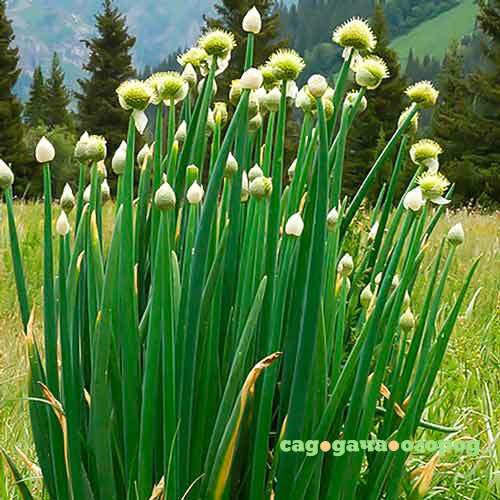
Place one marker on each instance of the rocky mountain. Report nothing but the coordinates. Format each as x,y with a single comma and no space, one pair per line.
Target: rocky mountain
45,26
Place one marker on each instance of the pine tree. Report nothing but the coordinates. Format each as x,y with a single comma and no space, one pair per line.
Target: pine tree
381,116
58,97
11,129
229,16
34,111
109,64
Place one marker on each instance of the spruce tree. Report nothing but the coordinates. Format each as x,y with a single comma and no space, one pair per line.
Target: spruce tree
229,16
58,97
34,110
381,116
109,64
11,129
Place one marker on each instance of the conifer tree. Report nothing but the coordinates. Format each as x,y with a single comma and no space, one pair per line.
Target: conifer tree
384,107
58,97
109,64
34,111
229,16
11,128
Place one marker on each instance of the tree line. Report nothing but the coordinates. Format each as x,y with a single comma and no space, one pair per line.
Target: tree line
466,120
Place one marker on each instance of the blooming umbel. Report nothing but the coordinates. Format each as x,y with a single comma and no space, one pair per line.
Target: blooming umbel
195,57
96,148
286,64
269,77
119,159
294,225
456,235
67,200
422,93
425,152
433,187
44,152
217,43
356,34
136,96
370,71
6,176
252,22
168,86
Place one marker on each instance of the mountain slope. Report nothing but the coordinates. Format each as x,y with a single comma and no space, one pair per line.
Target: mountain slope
433,37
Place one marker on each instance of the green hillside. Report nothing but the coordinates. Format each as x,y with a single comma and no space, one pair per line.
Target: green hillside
434,36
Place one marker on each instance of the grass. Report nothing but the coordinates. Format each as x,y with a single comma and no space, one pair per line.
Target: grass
467,392
434,36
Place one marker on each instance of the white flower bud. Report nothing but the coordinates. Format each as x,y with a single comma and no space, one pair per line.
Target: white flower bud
189,75
255,172
214,87
67,200
273,98
144,153
332,219
6,176
292,168
245,192
261,187
407,321
373,232
406,300
119,159
180,134
195,193
87,193
456,235
346,265
378,279
165,197
366,296
44,152
62,224
105,191
252,22
317,85
294,225
231,166
414,200
251,79
395,281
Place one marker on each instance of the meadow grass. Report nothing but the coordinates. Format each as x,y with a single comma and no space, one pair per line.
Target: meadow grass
467,393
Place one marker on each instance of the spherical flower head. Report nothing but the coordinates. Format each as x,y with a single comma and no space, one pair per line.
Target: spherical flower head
345,266
235,92
370,71
44,152
356,34
413,127
217,43
252,22
269,77
81,152
294,225
67,201
414,200
6,176
195,57
231,166
119,159
251,79
255,123
366,297
165,197
317,85
425,152
195,194
96,148
261,187
456,235
255,172
134,95
304,100
423,93
352,97
62,224
332,218
272,100
286,64
168,86
433,187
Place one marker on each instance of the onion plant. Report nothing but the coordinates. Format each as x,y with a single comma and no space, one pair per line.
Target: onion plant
217,322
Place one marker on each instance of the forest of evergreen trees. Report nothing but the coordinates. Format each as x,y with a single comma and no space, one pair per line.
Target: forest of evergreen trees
466,120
